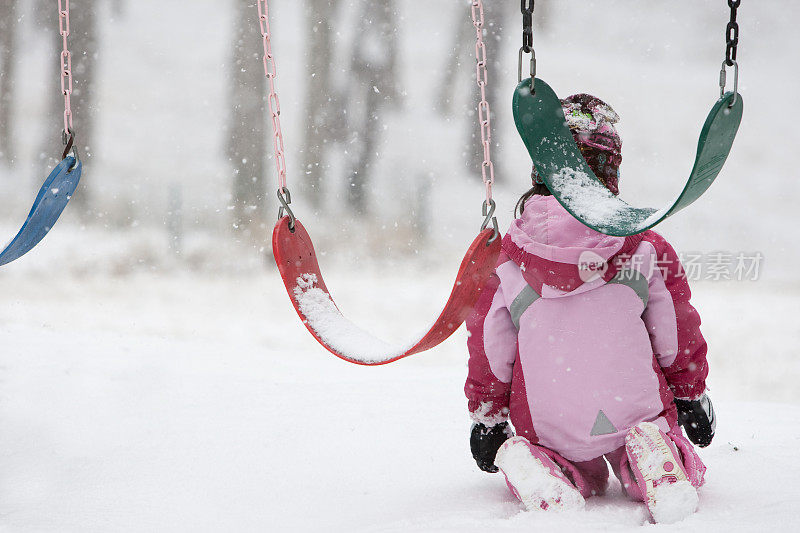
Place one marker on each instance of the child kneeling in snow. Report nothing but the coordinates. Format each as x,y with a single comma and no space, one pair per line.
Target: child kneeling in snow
589,344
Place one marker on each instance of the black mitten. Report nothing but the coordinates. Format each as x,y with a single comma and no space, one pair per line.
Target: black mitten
697,418
485,441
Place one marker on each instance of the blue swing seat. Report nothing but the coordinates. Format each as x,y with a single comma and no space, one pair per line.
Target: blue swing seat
50,202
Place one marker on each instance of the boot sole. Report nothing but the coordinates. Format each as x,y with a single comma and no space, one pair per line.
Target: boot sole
536,486
669,494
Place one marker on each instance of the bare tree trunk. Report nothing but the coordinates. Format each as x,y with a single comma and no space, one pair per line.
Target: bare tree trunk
322,102
459,56
373,66
8,26
83,41
363,151
247,146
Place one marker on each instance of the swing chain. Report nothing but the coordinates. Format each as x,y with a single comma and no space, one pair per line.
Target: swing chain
732,34
485,119
732,42
527,25
484,111
285,198
67,134
527,42
487,210
271,73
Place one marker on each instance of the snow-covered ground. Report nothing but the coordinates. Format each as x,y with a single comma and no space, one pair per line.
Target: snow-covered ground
199,403
140,391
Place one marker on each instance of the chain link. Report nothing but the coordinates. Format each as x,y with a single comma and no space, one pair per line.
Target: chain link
484,112
527,25
527,42
271,72
66,64
732,34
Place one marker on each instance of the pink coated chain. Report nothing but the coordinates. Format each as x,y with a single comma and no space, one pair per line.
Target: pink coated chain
66,63
270,71
484,113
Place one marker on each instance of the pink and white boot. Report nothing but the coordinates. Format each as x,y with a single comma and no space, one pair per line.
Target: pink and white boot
659,472
535,478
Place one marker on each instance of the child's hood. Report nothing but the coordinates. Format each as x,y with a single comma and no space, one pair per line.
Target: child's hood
554,249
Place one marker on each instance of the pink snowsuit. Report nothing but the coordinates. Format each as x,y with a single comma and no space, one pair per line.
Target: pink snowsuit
578,337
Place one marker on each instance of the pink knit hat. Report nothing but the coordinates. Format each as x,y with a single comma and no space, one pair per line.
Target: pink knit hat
591,122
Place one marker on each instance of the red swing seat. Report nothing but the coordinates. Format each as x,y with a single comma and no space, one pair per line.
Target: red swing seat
297,263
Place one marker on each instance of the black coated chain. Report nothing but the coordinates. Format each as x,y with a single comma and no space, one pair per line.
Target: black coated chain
527,25
731,34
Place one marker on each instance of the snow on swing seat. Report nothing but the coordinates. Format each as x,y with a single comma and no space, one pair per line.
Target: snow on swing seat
338,332
299,268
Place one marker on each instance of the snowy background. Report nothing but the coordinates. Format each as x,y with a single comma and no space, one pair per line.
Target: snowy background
144,390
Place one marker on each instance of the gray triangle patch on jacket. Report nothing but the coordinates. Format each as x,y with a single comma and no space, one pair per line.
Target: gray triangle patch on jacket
602,425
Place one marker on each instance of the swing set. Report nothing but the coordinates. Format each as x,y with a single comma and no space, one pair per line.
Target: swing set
542,125
540,122
60,185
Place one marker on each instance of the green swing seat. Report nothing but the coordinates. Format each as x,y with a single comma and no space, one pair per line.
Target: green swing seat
541,123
